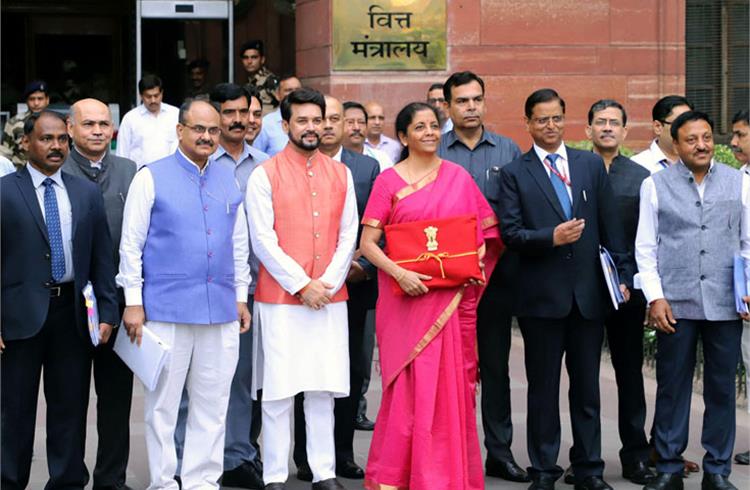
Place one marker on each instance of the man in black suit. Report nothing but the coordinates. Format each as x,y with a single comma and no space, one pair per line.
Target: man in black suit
54,240
607,129
90,127
362,286
555,210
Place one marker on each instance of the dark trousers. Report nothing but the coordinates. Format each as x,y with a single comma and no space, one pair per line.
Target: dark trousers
675,363
494,321
345,409
625,339
545,342
113,381
59,353
369,348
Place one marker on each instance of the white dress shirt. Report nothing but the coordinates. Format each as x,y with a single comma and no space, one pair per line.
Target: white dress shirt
651,158
384,161
646,240
6,166
387,145
145,137
64,209
561,164
135,224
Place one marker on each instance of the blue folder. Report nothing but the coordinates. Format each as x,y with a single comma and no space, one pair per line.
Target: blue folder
740,284
611,277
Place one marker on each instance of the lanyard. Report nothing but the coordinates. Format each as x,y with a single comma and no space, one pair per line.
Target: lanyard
565,180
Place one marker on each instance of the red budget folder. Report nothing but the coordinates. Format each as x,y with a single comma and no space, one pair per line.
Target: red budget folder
445,249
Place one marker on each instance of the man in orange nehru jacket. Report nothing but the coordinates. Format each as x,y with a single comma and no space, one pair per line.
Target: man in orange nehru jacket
303,226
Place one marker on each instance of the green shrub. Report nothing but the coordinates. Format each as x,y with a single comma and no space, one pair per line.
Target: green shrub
722,153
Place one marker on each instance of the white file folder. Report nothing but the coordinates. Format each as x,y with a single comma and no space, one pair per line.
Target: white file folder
147,360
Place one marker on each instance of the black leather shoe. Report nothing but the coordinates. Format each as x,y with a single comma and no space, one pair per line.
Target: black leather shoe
543,483
593,483
713,481
179,481
666,481
638,472
568,477
363,423
329,484
275,486
304,472
244,476
742,458
507,470
350,469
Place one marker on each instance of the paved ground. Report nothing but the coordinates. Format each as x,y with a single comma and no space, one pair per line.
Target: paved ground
138,471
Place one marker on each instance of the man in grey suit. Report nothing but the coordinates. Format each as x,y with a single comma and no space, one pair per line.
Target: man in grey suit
90,127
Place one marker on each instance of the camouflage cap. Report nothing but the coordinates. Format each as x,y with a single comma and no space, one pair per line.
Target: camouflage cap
35,86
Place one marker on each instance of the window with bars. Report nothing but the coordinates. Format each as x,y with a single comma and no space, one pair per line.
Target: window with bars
717,64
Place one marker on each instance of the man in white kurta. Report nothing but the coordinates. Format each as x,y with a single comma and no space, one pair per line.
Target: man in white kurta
302,216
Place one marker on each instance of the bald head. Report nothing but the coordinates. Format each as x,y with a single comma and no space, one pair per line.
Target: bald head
375,121
333,127
90,128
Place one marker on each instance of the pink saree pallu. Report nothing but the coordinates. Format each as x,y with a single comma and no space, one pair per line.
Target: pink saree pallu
425,434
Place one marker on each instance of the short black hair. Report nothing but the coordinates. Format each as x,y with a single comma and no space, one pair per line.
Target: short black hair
602,104
539,97
458,79
664,106
355,105
188,103
255,44
435,86
228,91
687,117
742,115
253,93
199,63
28,125
302,96
148,82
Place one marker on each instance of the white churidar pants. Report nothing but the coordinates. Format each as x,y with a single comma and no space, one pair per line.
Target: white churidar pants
277,417
203,358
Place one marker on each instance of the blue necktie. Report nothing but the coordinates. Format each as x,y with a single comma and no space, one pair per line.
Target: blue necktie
559,186
54,231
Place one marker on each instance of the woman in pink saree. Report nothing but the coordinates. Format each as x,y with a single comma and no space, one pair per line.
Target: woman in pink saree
425,434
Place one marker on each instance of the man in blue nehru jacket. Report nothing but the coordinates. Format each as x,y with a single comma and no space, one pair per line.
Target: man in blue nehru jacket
184,268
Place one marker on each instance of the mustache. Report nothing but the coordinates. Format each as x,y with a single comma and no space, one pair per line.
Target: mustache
309,133
237,125
737,149
55,153
356,132
203,141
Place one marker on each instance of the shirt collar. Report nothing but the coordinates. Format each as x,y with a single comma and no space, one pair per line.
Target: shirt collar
246,153
200,170
658,154
38,178
337,156
745,168
298,158
146,112
451,138
542,154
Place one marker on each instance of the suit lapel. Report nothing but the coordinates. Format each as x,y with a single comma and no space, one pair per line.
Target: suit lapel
576,179
26,186
347,158
536,168
75,202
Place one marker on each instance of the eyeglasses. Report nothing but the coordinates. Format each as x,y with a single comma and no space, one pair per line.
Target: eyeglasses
601,123
198,129
543,121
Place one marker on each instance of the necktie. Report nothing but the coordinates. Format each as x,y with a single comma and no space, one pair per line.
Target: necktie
559,186
664,163
54,231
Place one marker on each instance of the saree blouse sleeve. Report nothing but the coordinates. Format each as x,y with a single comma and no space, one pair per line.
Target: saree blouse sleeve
378,209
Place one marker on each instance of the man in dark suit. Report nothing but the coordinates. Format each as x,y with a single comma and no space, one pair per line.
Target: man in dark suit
54,240
362,286
607,129
555,210
90,127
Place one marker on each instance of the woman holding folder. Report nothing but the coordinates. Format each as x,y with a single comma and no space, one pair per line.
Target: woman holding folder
426,436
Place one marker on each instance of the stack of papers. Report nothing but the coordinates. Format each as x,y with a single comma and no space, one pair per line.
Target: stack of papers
611,277
147,360
741,286
92,313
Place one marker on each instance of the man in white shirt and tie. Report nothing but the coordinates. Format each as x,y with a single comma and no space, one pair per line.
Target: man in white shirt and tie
661,153
148,132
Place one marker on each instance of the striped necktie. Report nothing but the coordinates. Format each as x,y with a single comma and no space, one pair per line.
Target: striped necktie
54,231
559,186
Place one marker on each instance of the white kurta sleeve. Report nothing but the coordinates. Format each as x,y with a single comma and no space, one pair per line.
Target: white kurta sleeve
260,219
135,224
241,242
646,244
335,273
745,221
123,139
